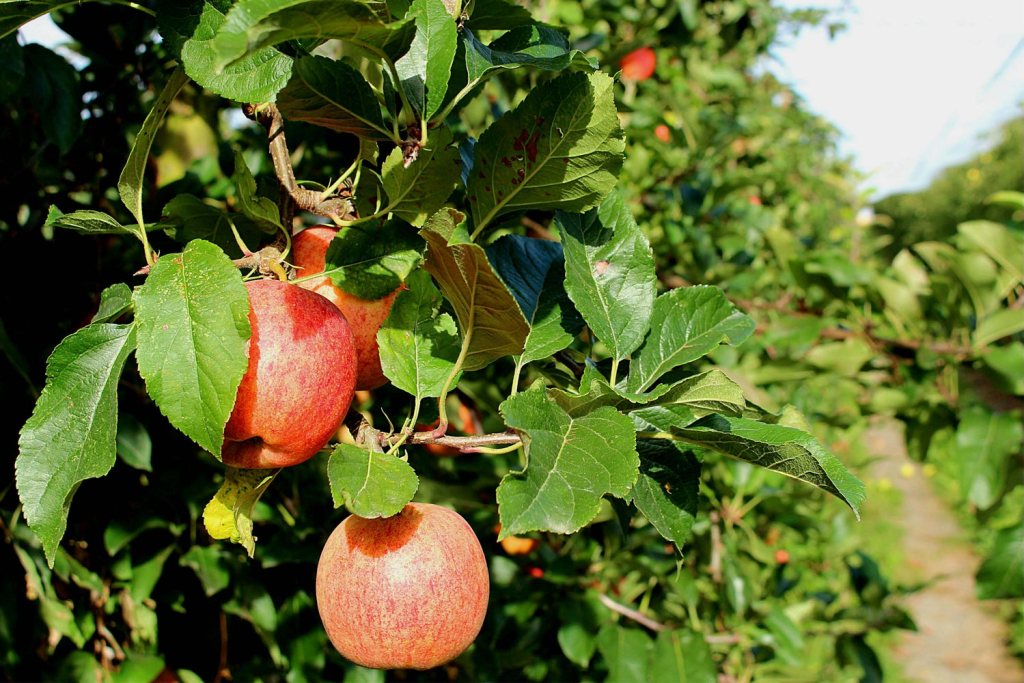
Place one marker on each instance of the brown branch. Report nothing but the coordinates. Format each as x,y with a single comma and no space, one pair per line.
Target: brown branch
364,434
259,260
657,626
463,443
630,613
942,348
222,663
716,549
338,209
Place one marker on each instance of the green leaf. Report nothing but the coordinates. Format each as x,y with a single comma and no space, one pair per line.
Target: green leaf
781,449
228,515
253,25
1007,198
133,176
996,240
985,443
332,94
186,218
133,443
688,323
626,652
119,533
533,45
683,656
561,148
418,347
371,260
707,392
139,667
193,319
418,190
1002,323
1007,362
17,13
610,273
426,68
12,67
71,433
788,641
577,632
115,301
497,15
258,209
368,483
209,563
256,78
52,86
666,490
86,222
1002,573
489,318
573,462
535,272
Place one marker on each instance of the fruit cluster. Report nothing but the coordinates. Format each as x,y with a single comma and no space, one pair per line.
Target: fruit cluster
408,591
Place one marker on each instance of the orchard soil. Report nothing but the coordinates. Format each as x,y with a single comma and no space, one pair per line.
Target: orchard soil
959,639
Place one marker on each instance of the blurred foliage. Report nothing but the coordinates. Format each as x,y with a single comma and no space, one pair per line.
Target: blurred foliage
748,194
961,192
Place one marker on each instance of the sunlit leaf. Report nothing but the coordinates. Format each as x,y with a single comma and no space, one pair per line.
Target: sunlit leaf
561,148
71,434
192,314
368,483
572,463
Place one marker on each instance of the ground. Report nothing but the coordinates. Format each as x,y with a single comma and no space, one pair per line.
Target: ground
959,638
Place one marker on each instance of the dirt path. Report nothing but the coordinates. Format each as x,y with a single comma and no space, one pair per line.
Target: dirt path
959,640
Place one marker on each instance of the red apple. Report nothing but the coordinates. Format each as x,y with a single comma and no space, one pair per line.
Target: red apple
663,133
404,592
309,249
638,65
299,383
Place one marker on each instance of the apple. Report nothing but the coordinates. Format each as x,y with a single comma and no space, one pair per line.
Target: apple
365,316
299,382
638,65
403,592
663,133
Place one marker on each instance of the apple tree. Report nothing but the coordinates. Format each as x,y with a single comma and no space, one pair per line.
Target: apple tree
464,162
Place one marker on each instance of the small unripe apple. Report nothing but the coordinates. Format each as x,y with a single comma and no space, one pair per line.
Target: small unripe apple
299,382
365,316
638,65
403,592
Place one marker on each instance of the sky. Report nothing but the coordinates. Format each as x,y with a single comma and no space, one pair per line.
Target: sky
912,85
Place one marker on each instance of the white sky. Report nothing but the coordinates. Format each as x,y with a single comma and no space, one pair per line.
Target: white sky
911,84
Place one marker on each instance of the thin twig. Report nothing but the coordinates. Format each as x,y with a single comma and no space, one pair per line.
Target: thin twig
261,260
632,614
716,549
222,663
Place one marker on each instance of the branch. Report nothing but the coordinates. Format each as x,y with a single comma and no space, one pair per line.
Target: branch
942,348
632,614
338,209
466,444
260,260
